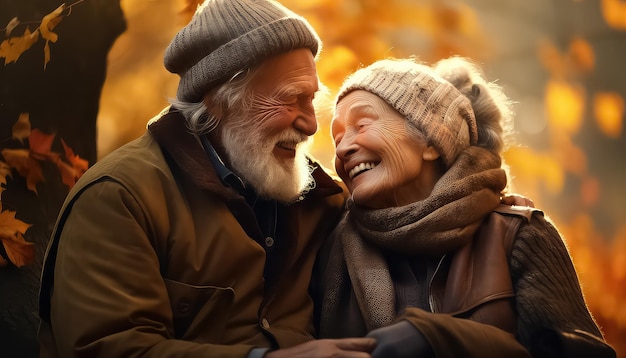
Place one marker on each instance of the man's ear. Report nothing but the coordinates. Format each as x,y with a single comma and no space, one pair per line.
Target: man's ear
430,153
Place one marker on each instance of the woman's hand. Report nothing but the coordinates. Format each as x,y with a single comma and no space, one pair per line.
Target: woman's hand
516,199
400,340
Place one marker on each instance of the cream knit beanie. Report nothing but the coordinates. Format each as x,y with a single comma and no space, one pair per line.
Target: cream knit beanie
433,105
227,36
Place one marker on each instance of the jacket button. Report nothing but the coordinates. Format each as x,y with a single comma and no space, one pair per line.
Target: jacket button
269,241
265,324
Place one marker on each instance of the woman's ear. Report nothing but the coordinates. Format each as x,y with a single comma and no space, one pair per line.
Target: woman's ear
430,153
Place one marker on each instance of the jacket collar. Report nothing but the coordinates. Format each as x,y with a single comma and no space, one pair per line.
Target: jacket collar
185,150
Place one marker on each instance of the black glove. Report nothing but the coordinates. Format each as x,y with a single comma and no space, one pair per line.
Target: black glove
400,340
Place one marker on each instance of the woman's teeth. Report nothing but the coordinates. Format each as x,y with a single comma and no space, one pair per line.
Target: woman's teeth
360,169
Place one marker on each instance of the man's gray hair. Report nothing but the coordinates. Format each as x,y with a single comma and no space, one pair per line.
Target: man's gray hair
234,95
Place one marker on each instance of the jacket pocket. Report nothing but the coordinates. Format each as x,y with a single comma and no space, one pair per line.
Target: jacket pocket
199,313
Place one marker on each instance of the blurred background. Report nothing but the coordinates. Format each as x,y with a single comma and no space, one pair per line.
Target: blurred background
561,61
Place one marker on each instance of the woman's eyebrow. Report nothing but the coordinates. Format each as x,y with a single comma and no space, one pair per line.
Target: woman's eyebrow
363,109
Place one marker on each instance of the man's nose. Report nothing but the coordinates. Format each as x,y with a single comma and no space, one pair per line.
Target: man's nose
306,123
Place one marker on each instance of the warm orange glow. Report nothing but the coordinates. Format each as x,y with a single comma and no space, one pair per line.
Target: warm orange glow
582,55
535,170
619,257
551,58
570,157
614,13
609,113
359,32
552,174
565,105
590,191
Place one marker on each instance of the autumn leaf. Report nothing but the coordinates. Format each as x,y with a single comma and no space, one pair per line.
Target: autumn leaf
11,25
25,166
48,23
21,128
5,171
12,48
3,262
19,251
70,173
77,162
40,145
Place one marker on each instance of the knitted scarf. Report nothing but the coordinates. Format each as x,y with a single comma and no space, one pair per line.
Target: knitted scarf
446,220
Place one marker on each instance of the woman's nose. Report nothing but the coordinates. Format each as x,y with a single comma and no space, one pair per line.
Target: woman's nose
345,148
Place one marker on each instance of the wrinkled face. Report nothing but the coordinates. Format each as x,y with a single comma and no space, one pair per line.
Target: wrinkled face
268,147
382,164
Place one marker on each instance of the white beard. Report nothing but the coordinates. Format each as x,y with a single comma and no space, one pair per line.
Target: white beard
249,152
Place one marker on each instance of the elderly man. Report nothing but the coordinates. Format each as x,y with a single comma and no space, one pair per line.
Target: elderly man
198,238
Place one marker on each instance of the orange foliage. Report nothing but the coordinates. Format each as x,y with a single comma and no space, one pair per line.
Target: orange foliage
13,47
27,163
19,251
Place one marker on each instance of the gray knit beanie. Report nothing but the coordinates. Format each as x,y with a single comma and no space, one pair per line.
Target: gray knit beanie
430,103
227,36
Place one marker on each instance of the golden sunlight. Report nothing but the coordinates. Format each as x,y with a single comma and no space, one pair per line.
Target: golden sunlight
609,113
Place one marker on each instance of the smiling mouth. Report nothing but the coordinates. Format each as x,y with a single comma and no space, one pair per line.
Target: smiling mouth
360,169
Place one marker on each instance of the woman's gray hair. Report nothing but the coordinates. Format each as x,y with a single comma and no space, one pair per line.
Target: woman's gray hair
230,96
492,108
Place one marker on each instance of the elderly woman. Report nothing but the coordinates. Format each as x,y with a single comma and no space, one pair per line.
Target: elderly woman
426,259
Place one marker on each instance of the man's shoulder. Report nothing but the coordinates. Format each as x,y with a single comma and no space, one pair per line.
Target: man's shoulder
132,164
327,181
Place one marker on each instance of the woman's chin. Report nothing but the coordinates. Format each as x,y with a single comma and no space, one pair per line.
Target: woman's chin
365,198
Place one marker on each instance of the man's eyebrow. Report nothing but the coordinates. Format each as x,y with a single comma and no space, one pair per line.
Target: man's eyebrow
289,91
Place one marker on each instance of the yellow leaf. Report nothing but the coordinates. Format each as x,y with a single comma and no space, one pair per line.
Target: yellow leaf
21,128
608,109
49,22
5,171
10,226
19,251
26,166
11,49
11,25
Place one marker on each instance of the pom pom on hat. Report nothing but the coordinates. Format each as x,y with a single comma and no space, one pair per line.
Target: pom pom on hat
430,103
227,36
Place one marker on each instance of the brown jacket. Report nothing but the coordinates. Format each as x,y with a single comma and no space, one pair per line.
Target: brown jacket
496,296
152,256
506,278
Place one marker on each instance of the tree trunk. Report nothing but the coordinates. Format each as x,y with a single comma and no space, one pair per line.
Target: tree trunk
60,99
